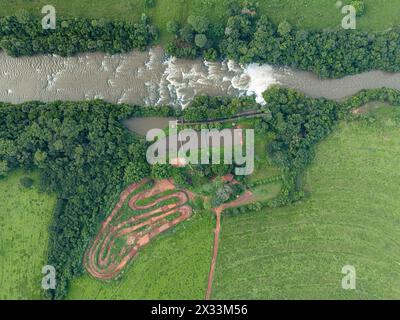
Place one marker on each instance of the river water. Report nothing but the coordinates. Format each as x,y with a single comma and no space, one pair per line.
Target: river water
148,78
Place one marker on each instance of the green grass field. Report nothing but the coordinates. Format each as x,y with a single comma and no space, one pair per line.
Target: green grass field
310,14
351,217
25,216
174,266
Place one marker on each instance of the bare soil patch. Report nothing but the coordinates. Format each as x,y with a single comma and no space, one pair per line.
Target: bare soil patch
118,242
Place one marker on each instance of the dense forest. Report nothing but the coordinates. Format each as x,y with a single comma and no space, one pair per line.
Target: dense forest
23,35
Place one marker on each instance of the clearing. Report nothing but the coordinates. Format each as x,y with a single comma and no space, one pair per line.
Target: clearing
25,217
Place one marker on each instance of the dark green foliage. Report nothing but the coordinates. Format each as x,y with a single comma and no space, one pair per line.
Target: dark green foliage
83,153
161,171
149,3
181,177
199,23
388,95
196,38
298,123
200,40
224,193
328,53
26,182
284,28
359,6
172,27
221,195
3,168
211,55
25,36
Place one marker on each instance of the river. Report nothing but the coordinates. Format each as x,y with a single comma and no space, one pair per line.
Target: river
149,78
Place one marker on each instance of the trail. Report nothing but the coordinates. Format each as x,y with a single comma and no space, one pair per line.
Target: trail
243,115
246,198
119,239
215,254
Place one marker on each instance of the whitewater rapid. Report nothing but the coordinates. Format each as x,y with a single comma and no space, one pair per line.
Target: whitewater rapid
153,78
146,78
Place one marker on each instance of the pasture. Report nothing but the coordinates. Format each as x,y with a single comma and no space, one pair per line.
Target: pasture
351,216
174,265
25,216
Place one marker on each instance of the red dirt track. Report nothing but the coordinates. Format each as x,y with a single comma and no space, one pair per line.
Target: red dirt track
246,198
129,235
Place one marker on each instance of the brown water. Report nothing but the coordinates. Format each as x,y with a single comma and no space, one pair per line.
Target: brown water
143,125
149,78
144,78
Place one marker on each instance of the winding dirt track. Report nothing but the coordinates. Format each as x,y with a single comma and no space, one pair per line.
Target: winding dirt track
119,240
246,198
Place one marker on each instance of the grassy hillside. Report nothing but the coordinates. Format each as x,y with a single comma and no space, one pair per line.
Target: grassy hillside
25,215
352,217
302,13
174,266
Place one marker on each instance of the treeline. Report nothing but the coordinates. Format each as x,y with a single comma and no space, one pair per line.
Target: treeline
84,155
248,37
23,35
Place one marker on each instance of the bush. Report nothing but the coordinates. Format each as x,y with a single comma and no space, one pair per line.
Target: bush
200,40
161,171
210,55
172,27
284,28
26,182
3,168
149,3
199,23
359,6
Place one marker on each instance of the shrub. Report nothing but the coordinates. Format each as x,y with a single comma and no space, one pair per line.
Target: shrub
359,6
200,40
210,55
172,27
284,28
199,23
3,168
26,182
149,3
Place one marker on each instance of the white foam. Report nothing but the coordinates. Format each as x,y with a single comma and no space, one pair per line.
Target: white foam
255,80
